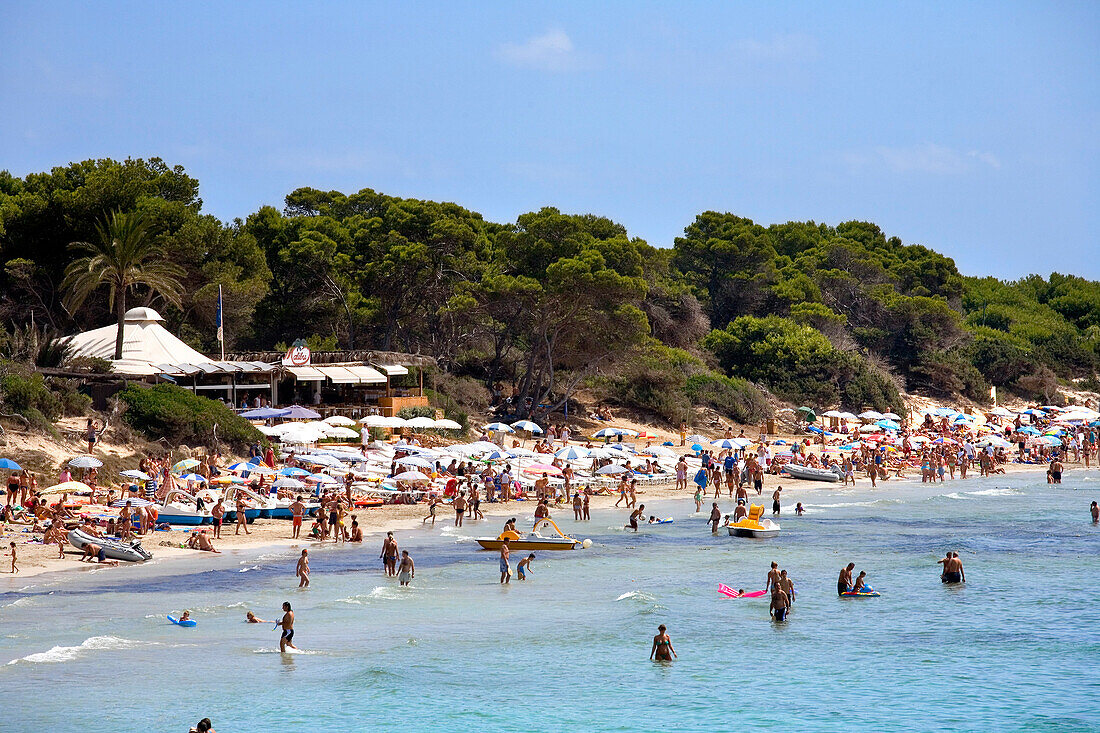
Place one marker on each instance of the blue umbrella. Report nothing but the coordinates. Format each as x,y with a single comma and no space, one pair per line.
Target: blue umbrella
944,411
1028,430
264,413
888,425
1033,411
724,443
696,447
571,454
527,425
291,471
500,427
193,477
9,464
667,442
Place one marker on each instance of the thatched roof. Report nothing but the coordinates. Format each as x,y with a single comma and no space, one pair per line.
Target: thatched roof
394,358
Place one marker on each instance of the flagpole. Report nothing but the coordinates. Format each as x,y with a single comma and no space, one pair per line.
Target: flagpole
221,329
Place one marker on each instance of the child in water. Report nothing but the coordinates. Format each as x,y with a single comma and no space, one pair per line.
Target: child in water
798,510
523,566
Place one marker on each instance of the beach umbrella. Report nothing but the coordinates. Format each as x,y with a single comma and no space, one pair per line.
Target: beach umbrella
962,418
339,421
999,412
498,455
134,503
321,478
136,474
445,424
944,411
263,413
543,468
701,439
340,432
499,427
618,448
725,443
891,416
742,442
85,462
68,486
807,413
1028,430
941,441
1049,440
870,415
420,422
888,425
395,422
571,453
832,413
696,447
185,464
411,476
227,479
288,483
611,469
297,412
478,446
527,425
994,441
271,431
292,471
1033,411
9,464
321,460
848,416
375,421
414,461
658,450
193,477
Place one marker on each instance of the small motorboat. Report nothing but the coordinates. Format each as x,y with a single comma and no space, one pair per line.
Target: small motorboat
178,507
112,548
754,525
809,473
533,541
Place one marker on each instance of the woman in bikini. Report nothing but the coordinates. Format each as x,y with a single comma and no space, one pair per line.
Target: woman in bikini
662,650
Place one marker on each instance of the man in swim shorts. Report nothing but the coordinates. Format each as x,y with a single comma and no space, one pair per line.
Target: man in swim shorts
715,517
635,515
287,624
407,571
775,501
389,554
92,550
844,583
781,604
505,571
523,566
1056,471
297,511
952,569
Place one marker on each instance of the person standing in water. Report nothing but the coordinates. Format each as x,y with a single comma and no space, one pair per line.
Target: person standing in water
287,625
952,569
523,566
635,516
505,570
781,605
662,650
302,570
407,571
773,578
715,517
389,555
786,584
1095,511
775,501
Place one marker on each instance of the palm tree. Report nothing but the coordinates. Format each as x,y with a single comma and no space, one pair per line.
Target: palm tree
125,255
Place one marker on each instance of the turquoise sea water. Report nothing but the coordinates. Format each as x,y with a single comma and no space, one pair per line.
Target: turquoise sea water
1016,649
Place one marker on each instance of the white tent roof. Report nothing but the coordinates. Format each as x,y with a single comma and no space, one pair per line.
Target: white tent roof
143,340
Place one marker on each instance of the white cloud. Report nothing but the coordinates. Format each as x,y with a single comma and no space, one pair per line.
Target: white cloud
925,157
791,46
552,51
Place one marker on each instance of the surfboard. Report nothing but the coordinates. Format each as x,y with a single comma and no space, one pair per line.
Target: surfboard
189,622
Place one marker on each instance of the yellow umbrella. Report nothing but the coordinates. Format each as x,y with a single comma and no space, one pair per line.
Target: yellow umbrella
70,486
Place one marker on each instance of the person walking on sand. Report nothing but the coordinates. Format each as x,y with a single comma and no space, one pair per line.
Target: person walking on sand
287,625
389,555
217,514
505,570
14,567
715,517
662,650
407,571
775,501
302,570
297,511
242,520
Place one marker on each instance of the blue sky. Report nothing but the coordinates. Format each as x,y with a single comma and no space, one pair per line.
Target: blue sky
968,127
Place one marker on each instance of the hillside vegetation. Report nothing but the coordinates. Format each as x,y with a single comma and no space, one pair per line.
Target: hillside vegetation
554,302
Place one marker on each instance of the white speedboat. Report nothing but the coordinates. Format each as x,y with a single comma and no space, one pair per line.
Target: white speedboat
178,507
115,549
809,473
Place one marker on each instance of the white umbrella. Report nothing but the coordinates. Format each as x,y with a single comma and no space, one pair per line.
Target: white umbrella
271,431
479,446
499,427
287,482
134,473
700,439
871,415
612,468
375,421
725,443
420,422
527,425
340,420
411,476
446,424
658,450
847,416
602,453
890,416
395,422
339,432
414,461
85,462
526,452
832,413
321,460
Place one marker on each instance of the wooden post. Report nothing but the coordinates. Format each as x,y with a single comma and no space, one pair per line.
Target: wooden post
420,371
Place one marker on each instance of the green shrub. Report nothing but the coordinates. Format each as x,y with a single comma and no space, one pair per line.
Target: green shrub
408,413
738,398
181,416
23,392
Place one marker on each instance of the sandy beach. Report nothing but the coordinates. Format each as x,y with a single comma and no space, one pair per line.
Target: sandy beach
265,534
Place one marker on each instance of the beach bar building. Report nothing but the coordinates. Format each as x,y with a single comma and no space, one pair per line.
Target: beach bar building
353,383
